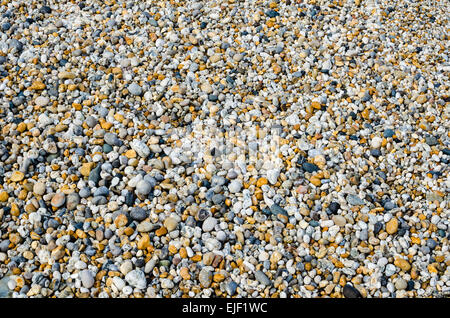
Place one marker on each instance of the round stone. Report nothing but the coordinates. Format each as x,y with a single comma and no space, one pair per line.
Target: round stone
138,214
87,278
143,187
135,89
39,188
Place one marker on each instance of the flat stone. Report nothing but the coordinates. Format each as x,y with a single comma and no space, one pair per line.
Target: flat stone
351,292
205,277
354,200
139,214
170,224
262,278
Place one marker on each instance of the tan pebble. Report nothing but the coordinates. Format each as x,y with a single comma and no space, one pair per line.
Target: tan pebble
170,224
421,99
339,220
66,75
208,258
184,273
392,226
275,257
58,200
215,58
39,188
315,181
206,87
58,253
402,264
37,86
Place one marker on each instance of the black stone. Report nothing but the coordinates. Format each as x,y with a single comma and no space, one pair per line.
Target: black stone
130,198
310,167
351,292
45,9
334,207
377,227
410,285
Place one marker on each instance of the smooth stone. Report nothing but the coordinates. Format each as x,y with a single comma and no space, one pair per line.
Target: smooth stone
87,278
39,188
138,214
143,187
170,224
334,207
339,220
231,288
145,227
101,191
392,226
135,89
276,209
85,192
401,284
376,142
310,167
41,101
58,200
218,199
111,139
209,224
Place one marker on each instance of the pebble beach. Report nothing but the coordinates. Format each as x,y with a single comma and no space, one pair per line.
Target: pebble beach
236,148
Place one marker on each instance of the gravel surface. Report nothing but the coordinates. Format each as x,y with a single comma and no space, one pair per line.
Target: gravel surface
224,148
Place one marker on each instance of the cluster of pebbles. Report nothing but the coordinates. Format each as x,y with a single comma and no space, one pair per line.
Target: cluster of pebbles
237,148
